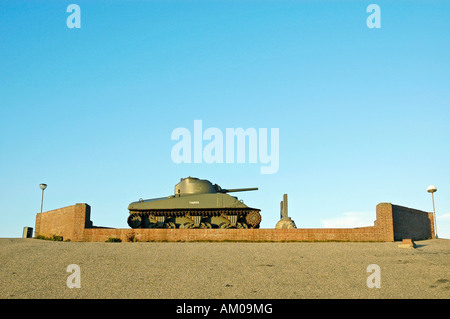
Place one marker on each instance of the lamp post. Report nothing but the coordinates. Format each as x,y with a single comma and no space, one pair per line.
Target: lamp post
42,186
431,189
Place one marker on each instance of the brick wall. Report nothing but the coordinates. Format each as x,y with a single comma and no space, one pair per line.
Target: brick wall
69,222
392,222
412,223
275,235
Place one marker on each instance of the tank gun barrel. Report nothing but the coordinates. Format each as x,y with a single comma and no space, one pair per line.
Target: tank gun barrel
239,190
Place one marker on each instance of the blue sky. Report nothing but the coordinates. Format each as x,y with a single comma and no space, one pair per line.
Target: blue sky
362,113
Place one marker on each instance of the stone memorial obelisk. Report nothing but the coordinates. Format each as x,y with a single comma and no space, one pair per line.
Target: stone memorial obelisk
285,222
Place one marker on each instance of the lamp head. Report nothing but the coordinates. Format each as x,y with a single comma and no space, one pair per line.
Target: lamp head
431,189
43,186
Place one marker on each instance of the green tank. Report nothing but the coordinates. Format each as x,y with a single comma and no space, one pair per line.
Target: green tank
196,203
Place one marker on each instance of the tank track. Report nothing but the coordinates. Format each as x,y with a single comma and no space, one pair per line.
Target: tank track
196,218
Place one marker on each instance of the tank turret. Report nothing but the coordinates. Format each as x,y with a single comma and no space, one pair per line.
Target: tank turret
196,203
193,185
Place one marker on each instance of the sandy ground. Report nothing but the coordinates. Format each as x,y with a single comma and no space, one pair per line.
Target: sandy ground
31,268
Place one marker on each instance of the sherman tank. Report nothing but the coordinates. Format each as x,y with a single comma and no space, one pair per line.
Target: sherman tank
196,203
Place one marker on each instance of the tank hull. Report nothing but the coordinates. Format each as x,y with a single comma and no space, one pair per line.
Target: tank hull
210,210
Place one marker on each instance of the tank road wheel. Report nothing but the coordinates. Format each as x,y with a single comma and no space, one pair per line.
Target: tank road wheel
205,225
253,219
169,225
145,222
134,220
241,226
148,222
224,225
187,225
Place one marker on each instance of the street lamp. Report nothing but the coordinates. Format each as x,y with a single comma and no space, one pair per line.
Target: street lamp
42,186
431,189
